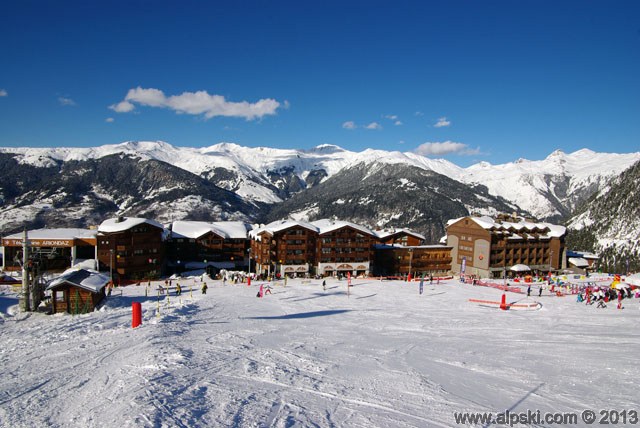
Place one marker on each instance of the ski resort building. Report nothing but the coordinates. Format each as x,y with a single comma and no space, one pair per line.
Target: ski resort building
331,247
284,247
343,247
51,249
212,246
419,260
131,248
488,247
403,237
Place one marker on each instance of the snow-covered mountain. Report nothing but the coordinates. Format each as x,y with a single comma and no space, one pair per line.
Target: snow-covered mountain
258,180
609,223
550,188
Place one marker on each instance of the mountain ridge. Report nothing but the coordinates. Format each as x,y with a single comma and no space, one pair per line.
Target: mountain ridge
230,181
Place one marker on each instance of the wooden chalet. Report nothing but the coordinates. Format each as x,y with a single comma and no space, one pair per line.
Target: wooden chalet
131,248
404,237
284,247
216,244
343,247
77,291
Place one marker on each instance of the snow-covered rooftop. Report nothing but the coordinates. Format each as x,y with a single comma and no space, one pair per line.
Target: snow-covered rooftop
389,232
63,233
83,278
280,225
328,225
196,229
522,226
120,224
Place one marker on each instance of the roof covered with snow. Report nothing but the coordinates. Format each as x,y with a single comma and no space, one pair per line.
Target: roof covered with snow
390,232
83,278
329,225
196,229
120,224
281,225
62,233
546,230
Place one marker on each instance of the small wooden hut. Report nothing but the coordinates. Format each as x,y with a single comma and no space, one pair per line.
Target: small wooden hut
77,291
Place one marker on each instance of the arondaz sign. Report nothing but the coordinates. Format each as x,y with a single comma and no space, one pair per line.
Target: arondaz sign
39,242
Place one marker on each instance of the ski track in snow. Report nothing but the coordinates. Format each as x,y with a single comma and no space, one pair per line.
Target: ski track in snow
384,356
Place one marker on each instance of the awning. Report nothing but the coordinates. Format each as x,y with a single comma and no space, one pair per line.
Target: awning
578,262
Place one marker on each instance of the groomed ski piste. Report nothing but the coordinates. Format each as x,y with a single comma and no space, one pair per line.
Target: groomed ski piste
379,355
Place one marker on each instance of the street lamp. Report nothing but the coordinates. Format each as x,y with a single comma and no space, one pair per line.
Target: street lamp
111,265
249,253
410,261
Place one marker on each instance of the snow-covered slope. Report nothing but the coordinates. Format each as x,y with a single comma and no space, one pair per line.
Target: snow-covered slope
382,356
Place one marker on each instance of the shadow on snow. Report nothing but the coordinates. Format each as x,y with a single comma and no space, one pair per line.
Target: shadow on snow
301,315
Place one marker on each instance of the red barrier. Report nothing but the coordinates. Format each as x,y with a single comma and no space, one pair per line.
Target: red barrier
503,302
248,280
136,314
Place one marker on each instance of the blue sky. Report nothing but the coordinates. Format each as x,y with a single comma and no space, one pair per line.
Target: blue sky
464,80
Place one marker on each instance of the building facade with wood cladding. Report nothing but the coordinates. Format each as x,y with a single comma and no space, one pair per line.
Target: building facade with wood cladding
404,237
331,247
284,247
77,291
488,247
131,248
418,260
343,247
217,245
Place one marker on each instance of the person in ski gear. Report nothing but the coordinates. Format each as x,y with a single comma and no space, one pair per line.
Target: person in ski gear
178,289
204,288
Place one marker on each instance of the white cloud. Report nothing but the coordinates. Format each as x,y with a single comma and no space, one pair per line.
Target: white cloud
197,103
445,148
349,125
394,118
442,122
66,101
122,107
3,93
373,125
418,113
109,120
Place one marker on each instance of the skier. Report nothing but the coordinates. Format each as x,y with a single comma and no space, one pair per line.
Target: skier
540,291
324,284
529,291
204,288
619,299
178,289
